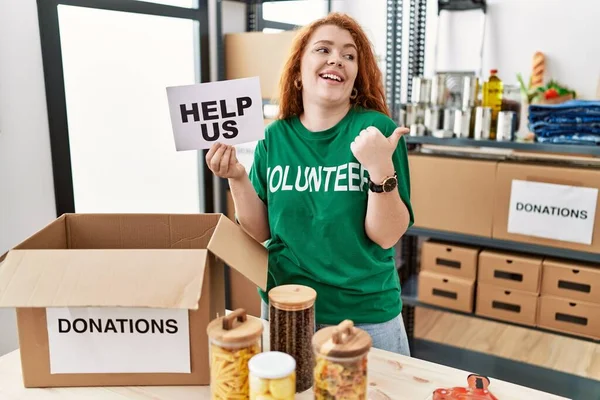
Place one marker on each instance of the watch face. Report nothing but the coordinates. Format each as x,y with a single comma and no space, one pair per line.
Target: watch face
389,184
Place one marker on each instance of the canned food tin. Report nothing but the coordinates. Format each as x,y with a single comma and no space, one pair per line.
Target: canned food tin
433,118
483,123
507,126
439,91
448,120
462,123
421,90
417,130
469,92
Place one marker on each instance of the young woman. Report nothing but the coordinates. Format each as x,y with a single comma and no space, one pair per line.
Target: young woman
329,188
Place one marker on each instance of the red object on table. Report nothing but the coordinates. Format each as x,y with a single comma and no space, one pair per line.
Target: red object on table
477,390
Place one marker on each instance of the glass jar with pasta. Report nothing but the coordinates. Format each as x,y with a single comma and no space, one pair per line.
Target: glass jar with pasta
233,341
341,360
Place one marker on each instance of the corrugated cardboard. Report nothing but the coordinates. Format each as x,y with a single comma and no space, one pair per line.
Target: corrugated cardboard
506,304
507,172
510,271
259,54
98,260
452,194
446,291
571,281
567,316
242,291
447,259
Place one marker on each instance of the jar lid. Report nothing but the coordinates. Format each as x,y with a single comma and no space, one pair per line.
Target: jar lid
272,365
343,340
292,297
234,328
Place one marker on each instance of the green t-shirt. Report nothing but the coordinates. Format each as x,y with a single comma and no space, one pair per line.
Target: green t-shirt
316,195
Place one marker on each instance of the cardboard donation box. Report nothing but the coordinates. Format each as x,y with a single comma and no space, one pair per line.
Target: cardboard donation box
123,299
446,291
450,259
548,205
452,194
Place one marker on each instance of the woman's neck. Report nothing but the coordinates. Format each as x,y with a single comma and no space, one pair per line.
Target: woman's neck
317,118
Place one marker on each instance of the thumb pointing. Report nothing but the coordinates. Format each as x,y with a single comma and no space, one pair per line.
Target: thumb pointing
398,133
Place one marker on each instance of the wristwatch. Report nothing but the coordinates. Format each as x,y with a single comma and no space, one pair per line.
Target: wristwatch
389,183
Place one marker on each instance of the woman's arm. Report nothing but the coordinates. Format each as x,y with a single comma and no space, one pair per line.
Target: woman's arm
387,216
250,210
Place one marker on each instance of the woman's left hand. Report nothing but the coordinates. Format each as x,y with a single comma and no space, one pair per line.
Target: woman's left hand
374,151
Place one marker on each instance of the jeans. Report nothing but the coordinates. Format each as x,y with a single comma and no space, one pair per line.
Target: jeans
389,336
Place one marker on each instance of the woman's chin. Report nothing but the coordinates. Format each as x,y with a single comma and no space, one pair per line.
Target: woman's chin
333,99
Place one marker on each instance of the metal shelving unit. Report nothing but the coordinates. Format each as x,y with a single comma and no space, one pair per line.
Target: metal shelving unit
521,146
499,244
408,271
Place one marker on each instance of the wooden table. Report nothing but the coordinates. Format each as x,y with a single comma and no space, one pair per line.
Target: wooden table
391,377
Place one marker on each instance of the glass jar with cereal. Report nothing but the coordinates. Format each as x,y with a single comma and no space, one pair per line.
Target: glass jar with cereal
340,370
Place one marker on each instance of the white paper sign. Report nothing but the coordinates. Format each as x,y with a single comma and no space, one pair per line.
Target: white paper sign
227,111
245,154
552,211
118,340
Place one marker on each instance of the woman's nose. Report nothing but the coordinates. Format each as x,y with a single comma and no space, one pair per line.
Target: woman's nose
334,60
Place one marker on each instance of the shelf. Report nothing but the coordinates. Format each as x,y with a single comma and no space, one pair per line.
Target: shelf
410,298
523,146
505,245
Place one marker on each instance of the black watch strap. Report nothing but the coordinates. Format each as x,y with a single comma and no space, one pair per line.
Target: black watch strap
380,188
374,187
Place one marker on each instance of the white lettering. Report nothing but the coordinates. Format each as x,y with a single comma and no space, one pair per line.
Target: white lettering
299,176
328,170
286,186
340,176
352,176
365,177
315,179
272,187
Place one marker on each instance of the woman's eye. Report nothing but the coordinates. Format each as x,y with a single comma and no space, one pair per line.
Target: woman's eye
323,50
350,57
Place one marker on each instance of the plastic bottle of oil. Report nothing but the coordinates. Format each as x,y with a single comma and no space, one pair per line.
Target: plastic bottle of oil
492,97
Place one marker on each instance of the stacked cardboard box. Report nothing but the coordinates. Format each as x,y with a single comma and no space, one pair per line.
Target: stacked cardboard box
508,287
448,275
570,298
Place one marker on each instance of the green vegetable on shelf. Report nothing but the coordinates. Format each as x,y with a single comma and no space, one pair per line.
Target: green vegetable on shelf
549,91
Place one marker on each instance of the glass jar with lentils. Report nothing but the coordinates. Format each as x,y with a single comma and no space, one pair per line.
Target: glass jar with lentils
292,325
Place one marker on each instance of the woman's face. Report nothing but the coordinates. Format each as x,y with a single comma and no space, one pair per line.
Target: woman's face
329,66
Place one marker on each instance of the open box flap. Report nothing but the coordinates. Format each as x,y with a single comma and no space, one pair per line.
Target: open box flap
240,251
52,236
102,278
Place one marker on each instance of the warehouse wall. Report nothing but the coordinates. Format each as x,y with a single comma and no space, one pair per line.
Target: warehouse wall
565,30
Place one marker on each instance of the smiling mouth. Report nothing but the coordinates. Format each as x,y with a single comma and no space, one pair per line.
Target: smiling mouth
332,77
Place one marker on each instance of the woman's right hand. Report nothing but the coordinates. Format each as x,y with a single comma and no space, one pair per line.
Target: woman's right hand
222,161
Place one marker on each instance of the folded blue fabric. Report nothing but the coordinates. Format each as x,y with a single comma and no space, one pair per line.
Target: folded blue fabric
571,122
567,105
589,140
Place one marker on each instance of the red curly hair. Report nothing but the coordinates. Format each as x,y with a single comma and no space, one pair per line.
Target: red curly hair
369,82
